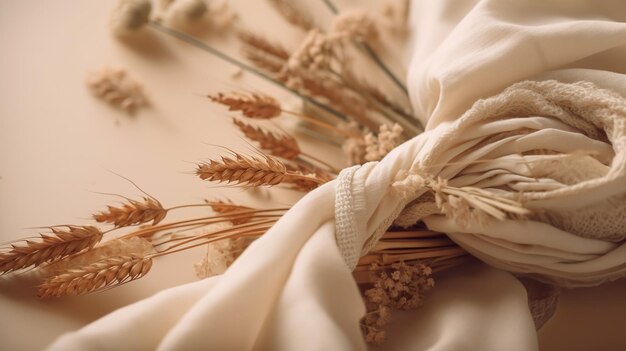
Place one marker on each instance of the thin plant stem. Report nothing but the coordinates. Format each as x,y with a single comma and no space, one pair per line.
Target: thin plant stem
326,164
201,45
189,222
371,53
319,123
214,233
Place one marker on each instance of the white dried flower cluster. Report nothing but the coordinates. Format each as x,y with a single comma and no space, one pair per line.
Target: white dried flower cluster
313,54
117,88
376,147
355,25
129,16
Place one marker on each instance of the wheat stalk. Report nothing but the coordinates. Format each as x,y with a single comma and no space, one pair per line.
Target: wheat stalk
284,146
237,214
50,247
261,45
246,170
108,272
251,171
251,105
132,213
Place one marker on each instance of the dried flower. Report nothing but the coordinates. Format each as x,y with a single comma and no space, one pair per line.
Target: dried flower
402,287
314,53
116,87
377,147
129,16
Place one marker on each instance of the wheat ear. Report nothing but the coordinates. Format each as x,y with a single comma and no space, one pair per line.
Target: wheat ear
132,213
50,247
251,171
284,146
108,272
251,105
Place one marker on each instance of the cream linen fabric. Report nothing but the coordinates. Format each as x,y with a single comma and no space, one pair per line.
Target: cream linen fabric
292,289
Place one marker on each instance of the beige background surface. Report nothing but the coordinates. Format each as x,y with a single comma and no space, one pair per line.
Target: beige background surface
58,145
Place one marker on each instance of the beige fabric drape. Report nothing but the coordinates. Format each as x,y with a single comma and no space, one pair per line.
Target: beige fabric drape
292,289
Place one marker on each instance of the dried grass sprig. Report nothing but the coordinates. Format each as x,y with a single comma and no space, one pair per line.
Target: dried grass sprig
469,203
111,271
50,247
132,213
252,105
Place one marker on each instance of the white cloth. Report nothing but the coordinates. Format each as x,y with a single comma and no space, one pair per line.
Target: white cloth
292,289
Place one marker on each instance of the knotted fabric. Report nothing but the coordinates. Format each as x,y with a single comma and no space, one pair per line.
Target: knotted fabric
555,145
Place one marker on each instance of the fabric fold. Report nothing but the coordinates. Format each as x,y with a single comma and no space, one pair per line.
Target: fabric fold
292,289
